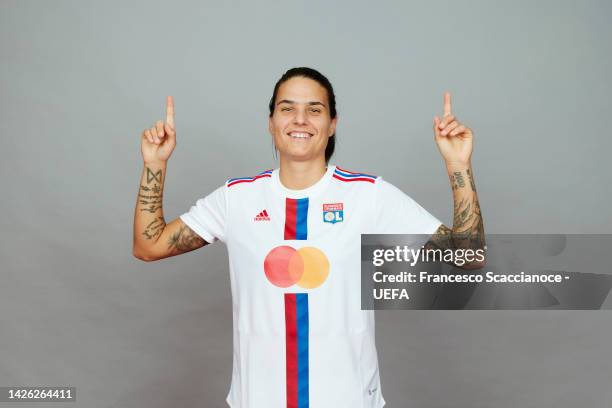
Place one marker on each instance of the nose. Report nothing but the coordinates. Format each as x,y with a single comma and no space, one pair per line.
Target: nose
300,116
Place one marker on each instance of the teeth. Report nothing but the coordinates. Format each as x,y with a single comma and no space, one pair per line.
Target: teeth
299,135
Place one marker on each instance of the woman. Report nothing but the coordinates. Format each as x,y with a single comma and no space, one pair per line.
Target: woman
293,238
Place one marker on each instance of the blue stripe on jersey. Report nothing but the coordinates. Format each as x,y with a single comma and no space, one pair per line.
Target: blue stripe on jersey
301,219
349,175
301,317
240,178
249,178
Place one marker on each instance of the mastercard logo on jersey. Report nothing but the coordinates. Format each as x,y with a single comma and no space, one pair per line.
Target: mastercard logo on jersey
307,267
333,212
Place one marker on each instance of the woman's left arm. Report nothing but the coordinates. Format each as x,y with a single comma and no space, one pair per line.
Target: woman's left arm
455,142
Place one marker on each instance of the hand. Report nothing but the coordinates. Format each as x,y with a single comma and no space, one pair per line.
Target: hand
158,142
454,140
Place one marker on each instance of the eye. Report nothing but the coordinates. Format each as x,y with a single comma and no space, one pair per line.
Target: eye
315,110
285,109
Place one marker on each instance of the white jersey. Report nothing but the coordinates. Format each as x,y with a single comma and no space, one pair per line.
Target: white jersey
300,336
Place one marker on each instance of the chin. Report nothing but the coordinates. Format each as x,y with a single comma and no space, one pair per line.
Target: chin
298,155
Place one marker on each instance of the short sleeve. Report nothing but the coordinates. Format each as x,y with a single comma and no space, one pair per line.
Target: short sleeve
207,217
397,213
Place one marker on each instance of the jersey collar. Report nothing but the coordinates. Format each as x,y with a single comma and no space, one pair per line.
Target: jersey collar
311,191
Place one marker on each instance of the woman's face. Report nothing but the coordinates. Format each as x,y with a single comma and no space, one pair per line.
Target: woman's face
301,123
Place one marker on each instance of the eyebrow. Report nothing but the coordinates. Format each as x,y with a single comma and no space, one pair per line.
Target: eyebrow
293,102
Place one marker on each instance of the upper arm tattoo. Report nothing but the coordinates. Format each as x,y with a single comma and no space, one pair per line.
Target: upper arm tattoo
185,239
442,238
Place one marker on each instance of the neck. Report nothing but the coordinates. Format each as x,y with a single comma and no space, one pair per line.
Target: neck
300,175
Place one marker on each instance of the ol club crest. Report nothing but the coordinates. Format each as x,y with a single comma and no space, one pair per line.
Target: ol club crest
333,213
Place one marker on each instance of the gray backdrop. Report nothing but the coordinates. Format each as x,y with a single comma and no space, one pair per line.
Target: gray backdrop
80,80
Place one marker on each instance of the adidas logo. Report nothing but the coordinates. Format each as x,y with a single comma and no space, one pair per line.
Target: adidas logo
262,216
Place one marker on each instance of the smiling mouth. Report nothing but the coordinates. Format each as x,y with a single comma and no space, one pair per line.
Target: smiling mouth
300,135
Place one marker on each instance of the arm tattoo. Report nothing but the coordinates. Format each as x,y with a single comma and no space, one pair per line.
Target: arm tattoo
150,201
472,184
154,189
154,228
185,240
442,238
152,208
468,227
457,180
153,176
152,196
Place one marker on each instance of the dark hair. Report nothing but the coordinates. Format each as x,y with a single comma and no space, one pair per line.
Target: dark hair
331,98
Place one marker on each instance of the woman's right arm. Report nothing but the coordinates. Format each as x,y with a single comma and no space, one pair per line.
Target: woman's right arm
153,238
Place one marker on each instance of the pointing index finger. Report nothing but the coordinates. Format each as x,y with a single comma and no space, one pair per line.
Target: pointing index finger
447,103
170,111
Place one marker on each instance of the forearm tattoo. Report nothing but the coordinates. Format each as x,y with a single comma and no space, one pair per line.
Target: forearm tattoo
469,173
468,227
150,196
457,180
150,200
157,176
154,228
185,240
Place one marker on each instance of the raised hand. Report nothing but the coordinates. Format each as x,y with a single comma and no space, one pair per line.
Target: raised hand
454,139
158,142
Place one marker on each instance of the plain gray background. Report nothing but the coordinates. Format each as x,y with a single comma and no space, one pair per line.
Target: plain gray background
81,80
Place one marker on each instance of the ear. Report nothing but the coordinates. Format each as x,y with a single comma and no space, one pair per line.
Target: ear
332,127
270,127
